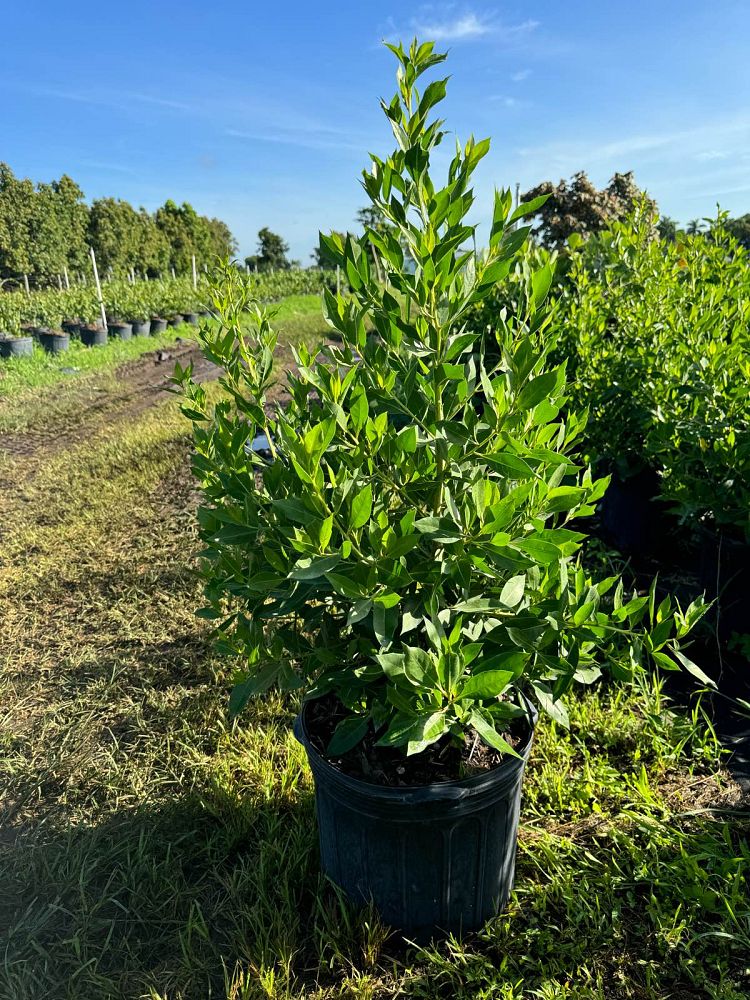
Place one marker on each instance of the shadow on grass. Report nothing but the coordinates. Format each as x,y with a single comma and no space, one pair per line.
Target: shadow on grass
184,897
158,898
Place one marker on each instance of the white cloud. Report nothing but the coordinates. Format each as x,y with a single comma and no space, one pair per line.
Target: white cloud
711,154
303,138
522,74
507,102
689,142
466,26
446,23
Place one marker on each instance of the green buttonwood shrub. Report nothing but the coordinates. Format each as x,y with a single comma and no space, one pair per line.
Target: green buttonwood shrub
413,544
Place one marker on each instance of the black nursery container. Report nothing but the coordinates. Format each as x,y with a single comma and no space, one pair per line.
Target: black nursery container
724,573
93,336
434,859
141,327
177,320
191,318
53,341
158,325
16,347
122,331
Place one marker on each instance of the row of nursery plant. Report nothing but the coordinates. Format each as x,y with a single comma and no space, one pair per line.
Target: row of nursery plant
658,340
141,300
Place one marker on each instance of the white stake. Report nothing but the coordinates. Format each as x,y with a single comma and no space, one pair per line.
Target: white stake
173,274
59,282
98,287
26,283
67,279
195,275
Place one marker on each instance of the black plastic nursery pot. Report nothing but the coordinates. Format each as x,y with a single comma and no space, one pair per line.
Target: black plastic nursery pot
16,347
434,859
53,341
141,327
69,326
724,573
158,326
177,320
122,331
93,336
191,318
628,513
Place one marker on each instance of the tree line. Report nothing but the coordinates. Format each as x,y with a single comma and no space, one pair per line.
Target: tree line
47,229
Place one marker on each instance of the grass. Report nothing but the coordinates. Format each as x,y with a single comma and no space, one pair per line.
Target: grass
149,849
22,375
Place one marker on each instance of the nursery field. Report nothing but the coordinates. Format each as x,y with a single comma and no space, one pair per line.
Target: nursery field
151,849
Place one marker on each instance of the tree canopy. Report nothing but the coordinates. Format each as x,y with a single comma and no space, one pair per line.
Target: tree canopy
578,206
272,252
46,229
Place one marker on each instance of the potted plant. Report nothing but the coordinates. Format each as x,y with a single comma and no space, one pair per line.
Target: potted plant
90,329
139,310
48,328
12,343
406,557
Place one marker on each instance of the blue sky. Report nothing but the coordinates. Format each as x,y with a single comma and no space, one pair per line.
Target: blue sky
263,114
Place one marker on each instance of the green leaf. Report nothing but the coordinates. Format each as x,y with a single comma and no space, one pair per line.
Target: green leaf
537,389
487,684
509,464
513,591
407,439
384,622
359,409
344,586
325,532
347,734
360,609
584,612
694,669
490,735
539,550
540,284
311,569
296,510
417,663
554,709
254,684
527,208
362,507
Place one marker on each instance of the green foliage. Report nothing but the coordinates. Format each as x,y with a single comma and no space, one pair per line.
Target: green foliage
188,234
409,547
272,253
740,229
322,259
658,336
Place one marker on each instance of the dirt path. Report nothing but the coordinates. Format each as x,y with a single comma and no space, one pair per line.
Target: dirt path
81,407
